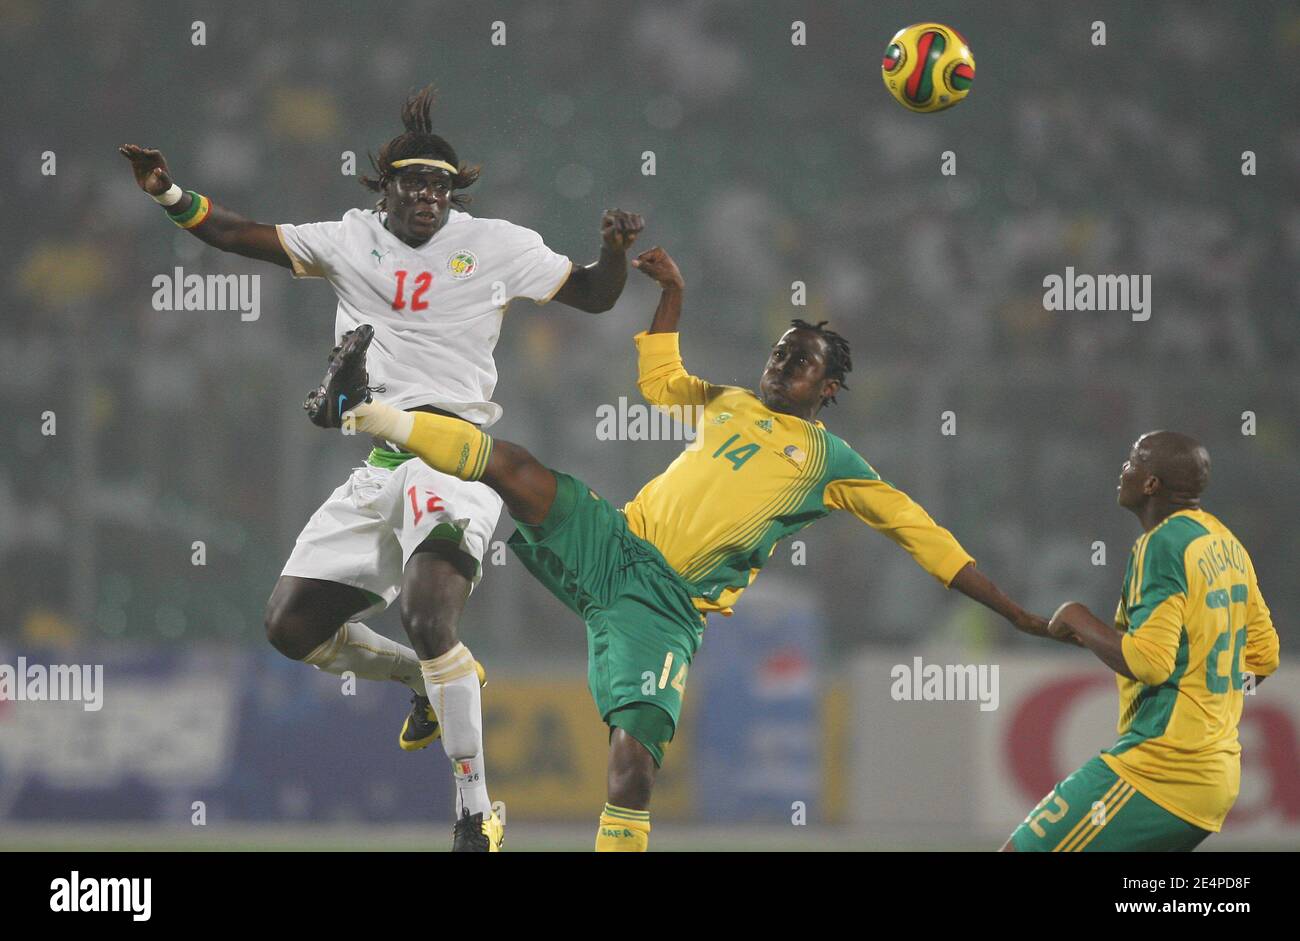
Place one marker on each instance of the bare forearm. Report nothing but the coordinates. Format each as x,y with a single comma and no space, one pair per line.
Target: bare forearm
668,312
595,288
972,583
219,227
229,231
1098,636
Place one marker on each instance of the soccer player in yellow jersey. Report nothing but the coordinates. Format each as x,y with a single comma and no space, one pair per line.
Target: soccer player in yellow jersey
1192,635
644,578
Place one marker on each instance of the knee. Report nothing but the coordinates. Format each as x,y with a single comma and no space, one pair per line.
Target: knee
631,772
430,627
525,484
287,630
514,459
515,473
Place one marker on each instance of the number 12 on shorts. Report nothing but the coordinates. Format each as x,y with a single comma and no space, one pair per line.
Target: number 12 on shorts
433,505
679,681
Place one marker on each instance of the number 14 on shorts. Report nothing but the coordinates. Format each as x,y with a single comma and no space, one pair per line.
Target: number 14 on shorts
648,684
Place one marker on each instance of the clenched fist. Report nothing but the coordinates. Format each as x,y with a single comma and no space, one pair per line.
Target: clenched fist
619,228
659,265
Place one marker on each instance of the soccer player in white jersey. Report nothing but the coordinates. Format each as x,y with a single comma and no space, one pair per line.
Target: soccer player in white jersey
434,281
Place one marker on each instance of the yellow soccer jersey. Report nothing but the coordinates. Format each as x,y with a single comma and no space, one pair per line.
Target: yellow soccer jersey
753,477
1194,623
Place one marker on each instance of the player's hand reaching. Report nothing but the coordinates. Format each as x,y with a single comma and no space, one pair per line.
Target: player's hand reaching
1032,624
149,167
659,265
619,228
1059,629
595,288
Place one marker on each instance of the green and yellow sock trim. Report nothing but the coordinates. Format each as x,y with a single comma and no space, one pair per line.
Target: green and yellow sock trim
625,815
450,445
480,465
623,830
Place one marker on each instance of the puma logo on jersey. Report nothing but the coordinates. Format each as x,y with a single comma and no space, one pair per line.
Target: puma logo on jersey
378,255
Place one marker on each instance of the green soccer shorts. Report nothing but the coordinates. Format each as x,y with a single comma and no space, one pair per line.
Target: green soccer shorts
1095,810
642,628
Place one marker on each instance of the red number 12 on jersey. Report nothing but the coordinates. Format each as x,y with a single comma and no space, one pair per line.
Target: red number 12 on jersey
422,282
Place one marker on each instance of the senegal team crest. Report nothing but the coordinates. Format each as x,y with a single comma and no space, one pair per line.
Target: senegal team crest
461,265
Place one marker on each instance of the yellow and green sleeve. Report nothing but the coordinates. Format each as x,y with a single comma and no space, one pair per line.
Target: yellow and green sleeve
662,378
1157,613
893,513
1263,650
1151,650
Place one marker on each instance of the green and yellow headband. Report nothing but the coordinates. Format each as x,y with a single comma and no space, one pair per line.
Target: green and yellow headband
425,162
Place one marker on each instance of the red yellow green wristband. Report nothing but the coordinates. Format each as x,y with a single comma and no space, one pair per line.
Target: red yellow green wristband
198,210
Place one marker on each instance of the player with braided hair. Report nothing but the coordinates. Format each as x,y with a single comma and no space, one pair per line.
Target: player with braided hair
839,360
419,142
644,578
432,282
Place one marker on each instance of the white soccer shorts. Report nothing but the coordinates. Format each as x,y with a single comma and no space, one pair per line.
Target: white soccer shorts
367,530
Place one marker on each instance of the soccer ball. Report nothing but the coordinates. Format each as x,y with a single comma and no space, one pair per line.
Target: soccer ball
928,67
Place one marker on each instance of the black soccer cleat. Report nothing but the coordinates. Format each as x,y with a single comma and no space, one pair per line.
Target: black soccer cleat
473,834
346,383
421,727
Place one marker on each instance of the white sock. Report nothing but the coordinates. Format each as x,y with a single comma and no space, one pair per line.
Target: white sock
369,655
451,683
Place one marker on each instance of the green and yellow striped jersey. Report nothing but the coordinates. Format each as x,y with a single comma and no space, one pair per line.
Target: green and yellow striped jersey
1195,624
753,477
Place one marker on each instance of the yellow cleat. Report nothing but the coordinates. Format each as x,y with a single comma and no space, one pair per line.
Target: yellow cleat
421,727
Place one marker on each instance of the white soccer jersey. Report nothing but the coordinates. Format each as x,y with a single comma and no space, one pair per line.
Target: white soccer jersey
436,309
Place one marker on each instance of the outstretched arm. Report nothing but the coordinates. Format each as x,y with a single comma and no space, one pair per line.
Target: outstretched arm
975,585
219,227
657,264
595,288
1074,622
888,510
661,377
